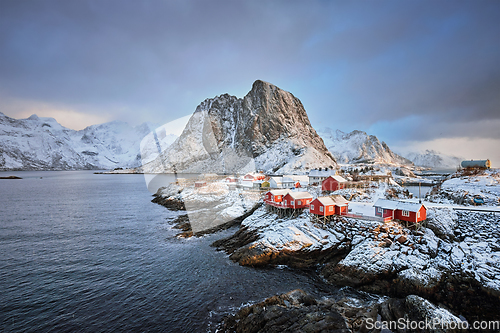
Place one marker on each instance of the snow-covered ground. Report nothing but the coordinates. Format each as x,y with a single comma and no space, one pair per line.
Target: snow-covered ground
461,189
211,205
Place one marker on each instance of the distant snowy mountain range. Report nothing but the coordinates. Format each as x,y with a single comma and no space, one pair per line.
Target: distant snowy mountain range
266,130
359,147
433,159
38,143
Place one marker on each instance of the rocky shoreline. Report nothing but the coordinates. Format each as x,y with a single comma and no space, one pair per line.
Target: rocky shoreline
386,259
297,311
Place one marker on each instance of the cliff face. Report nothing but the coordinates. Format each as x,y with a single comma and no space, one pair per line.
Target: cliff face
266,130
359,147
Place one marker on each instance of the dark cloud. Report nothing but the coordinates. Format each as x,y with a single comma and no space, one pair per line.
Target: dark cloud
355,65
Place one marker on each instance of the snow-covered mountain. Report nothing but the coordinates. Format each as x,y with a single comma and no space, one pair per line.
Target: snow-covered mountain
359,147
434,159
38,143
266,130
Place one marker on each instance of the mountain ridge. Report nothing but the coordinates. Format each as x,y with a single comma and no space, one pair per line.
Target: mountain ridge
41,143
359,147
433,159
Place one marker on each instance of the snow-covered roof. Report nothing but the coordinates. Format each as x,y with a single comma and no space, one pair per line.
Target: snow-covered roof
299,178
339,200
254,175
276,179
279,192
300,195
401,205
339,179
209,175
322,173
287,180
326,201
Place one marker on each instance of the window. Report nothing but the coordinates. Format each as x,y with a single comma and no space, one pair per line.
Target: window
292,203
405,213
330,209
418,214
379,209
320,208
285,202
299,202
312,207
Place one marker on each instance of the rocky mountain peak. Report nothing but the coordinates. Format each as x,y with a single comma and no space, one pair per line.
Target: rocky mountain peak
226,133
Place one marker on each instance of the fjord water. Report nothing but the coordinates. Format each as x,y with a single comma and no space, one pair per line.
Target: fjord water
91,253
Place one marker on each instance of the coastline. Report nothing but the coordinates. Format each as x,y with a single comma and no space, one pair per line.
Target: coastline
429,263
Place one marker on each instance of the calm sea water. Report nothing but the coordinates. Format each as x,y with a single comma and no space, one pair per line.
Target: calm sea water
91,253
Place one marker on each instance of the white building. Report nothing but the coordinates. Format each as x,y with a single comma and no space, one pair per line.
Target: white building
317,176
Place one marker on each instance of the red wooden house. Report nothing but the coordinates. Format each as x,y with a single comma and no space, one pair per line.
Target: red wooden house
333,183
297,200
254,176
399,210
275,196
326,206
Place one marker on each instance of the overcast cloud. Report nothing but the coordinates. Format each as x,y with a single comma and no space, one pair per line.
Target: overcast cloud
410,72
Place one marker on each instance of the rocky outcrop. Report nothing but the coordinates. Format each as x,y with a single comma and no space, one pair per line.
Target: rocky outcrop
207,209
387,258
266,130
400,314
297,311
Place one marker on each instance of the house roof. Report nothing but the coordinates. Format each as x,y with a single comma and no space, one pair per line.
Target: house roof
254,174
276,179
338,179
279,192
287,180
299,178
326,201
339,200
322,173
300,195
401,205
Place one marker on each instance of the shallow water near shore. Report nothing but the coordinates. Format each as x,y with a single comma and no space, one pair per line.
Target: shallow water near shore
85,252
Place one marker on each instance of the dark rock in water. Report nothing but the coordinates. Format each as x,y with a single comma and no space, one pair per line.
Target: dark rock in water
295,311
415,309
172,204
11,177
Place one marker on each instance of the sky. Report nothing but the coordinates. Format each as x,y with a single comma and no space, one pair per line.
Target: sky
417,74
